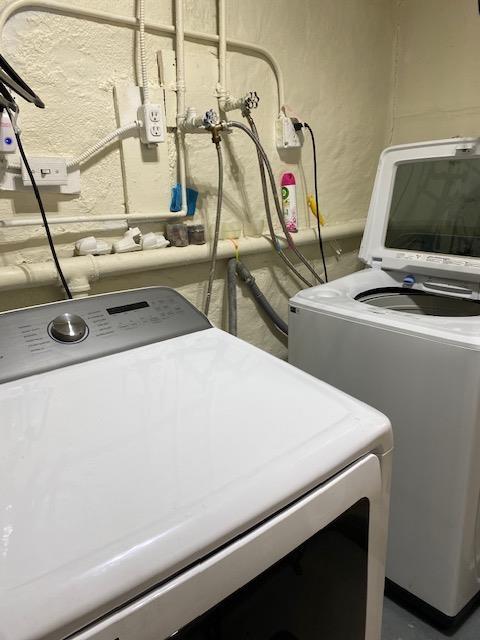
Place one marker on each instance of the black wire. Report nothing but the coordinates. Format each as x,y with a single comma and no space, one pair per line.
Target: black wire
320,241
41,207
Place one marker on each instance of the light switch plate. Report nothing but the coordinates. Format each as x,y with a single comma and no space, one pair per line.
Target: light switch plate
11,178
47,171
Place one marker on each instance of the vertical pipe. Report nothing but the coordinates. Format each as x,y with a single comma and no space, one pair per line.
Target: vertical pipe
222,50
180,73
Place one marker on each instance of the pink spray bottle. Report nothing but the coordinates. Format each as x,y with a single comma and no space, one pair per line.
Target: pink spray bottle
289,200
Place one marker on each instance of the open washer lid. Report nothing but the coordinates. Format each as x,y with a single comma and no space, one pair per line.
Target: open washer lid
424,214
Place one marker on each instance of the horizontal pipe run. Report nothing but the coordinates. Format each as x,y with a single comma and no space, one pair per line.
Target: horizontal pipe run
127,21
30,221
88,269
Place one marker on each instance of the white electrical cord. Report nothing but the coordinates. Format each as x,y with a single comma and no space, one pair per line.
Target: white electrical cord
143,52
114,135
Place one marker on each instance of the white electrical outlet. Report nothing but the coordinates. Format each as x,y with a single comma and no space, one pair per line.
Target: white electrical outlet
47,172
152,123
145,167
153,113
285,135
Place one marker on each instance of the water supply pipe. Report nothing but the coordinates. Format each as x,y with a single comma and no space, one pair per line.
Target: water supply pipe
180,88
96,15
222,52
89,269
127,218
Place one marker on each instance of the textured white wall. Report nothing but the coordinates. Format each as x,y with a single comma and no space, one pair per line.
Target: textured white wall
436,91
336,57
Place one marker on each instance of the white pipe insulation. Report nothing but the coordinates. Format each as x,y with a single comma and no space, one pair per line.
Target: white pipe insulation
83,270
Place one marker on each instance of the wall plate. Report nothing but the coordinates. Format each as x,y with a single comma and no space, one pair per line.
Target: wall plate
145,170
11,178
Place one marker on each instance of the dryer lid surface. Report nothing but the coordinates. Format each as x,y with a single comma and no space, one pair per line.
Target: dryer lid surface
424,215
119,472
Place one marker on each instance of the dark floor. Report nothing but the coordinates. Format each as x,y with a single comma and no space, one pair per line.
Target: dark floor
400,624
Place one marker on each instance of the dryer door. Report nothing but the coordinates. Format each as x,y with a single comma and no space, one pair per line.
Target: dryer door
314,570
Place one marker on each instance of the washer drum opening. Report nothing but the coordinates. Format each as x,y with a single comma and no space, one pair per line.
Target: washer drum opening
419,302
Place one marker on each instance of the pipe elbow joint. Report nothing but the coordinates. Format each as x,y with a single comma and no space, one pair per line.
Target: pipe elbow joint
79,286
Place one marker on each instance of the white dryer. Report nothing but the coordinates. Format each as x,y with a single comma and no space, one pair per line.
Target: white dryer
159,477
404,336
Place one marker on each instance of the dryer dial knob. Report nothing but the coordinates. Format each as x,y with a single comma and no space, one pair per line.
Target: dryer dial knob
68,328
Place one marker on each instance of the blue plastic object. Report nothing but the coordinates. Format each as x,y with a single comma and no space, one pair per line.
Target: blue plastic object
408,281
176,202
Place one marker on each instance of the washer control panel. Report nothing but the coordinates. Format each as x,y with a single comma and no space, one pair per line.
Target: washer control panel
55,335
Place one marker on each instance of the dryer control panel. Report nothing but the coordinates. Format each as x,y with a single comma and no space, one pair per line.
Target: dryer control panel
50,336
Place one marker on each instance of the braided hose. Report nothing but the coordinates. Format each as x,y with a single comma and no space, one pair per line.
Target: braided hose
276,244
213,261
266,161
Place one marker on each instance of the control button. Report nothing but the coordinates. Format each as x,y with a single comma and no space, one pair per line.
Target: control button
68,328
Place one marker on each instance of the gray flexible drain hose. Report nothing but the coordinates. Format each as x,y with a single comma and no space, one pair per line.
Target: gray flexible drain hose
232,295
258,296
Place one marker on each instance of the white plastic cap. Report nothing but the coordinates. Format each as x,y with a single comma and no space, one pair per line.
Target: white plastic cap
154,241
125,245
92,246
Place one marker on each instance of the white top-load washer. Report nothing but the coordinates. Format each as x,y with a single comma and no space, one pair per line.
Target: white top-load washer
160,477
404,336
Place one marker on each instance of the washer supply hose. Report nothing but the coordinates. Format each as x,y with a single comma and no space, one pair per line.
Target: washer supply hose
266,161
213,260
249,280
232,295
276,243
